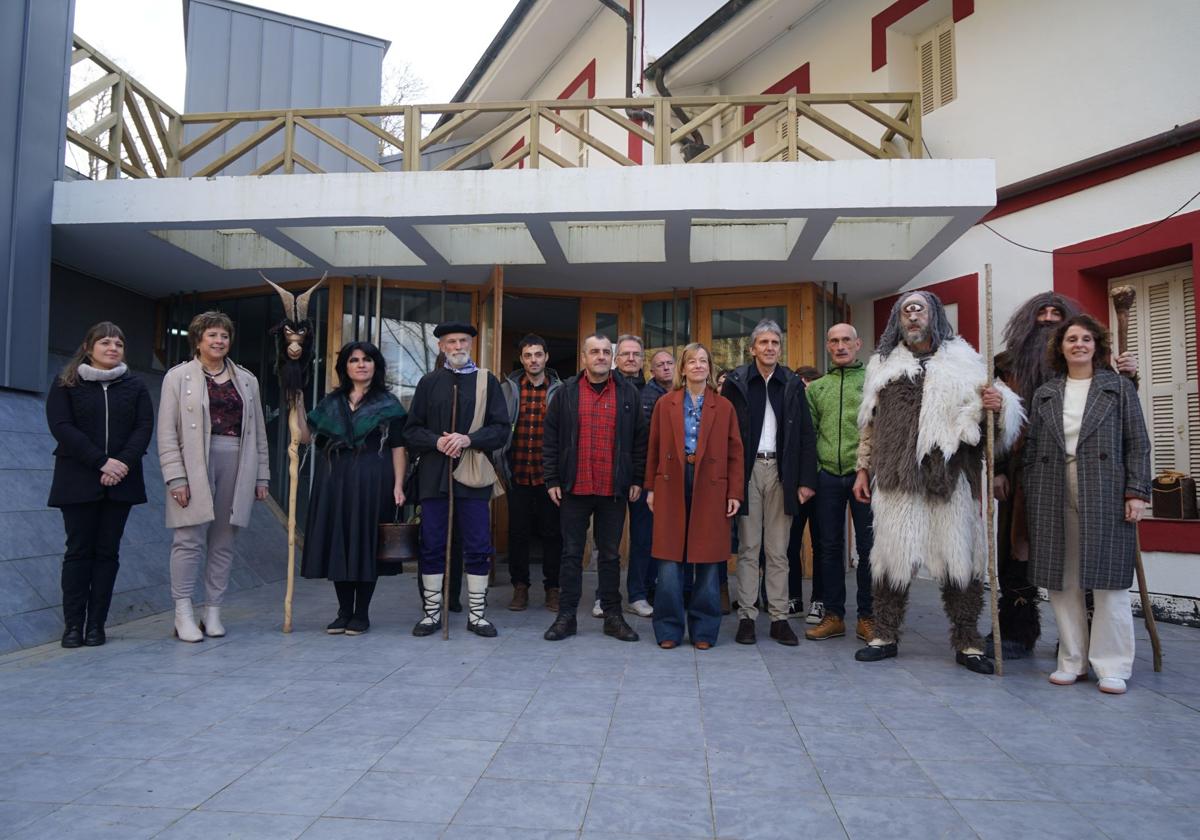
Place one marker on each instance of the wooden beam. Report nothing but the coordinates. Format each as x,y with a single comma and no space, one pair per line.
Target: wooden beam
763,117
88,91
699,120
662,132
486,140
513,159
352,153
412,138
625,123
890,122
840,131
308,164
557,159
588,138
535,136
189,149
143,133
382,133
94,131
289,144
270,166
447,128
117,135
240,149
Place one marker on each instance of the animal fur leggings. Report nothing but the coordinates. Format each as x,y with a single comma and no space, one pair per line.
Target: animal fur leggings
962,608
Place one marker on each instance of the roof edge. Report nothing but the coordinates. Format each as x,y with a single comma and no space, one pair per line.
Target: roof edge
258,11
696,37
510,25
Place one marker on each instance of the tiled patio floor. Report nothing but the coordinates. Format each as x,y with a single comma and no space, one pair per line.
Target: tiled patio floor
263,735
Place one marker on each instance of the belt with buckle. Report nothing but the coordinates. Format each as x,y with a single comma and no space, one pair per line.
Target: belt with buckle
690,457
765,456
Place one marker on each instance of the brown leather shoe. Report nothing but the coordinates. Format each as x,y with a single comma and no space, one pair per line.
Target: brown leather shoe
552,599
865,629
830,627
520,598
783,633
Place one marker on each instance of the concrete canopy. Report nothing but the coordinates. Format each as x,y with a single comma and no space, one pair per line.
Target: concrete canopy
869,225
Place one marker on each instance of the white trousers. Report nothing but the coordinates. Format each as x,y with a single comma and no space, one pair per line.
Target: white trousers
1110,648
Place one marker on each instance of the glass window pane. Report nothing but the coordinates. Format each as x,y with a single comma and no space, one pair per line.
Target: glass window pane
731,330
606,324
657,327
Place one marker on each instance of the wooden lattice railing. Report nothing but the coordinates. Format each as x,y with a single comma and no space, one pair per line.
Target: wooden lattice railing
687,129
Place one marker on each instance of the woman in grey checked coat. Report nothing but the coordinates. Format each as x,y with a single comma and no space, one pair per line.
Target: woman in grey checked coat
1087,474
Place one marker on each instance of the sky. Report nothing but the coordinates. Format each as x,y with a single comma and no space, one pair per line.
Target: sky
441,41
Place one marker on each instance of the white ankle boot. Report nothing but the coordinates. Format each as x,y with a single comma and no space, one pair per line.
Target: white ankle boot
431,603
477,589
185,622
211,625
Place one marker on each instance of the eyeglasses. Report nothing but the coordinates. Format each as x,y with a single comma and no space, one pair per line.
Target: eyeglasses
630,354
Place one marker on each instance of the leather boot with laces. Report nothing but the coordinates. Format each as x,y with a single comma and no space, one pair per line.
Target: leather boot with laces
831,627
477,623
615,626
563,626
431,604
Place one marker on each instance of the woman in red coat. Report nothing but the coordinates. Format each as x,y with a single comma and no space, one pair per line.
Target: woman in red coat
693,487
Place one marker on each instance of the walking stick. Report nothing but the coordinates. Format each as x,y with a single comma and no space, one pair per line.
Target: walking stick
1122,300
993,580
293,451
449,518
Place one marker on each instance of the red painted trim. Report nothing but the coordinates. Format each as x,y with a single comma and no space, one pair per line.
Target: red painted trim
586,76
795,82
1092,179
634,150
1173,535
896,12
961,290
515,146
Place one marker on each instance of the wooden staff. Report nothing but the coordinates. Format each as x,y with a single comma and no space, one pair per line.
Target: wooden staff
449,518
293,451
993,579
1122,300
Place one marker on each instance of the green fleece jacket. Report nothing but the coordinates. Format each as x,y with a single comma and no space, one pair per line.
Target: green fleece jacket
834,400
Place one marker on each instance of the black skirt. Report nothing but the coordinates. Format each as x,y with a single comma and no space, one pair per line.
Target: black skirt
351,495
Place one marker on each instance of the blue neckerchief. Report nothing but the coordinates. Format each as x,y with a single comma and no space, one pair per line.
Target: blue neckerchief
469,367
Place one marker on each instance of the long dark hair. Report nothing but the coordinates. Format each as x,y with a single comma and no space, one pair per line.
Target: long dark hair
1103,338
69,376
1025,339
378,381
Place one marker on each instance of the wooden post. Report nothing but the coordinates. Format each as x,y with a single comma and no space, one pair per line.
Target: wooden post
293,478
449,517
993,579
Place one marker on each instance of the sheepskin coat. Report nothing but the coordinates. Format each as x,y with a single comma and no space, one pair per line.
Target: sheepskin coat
717,478
921,422
184,431
1112,464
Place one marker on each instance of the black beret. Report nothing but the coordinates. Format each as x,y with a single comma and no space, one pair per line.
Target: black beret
454,327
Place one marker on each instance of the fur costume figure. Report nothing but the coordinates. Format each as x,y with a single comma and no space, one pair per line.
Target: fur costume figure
1023,367
922,430
293,342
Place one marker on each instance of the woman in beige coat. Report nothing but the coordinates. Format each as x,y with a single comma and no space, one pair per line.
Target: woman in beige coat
212,444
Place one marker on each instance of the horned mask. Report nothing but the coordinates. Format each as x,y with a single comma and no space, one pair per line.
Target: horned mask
294,338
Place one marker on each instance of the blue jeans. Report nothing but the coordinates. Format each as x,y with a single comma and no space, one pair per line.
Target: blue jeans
833,494
642,571
703,614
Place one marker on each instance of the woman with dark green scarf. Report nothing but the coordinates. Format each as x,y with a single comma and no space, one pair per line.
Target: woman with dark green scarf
361,462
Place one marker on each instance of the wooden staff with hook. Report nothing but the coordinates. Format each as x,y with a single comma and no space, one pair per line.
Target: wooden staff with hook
449,517
993,580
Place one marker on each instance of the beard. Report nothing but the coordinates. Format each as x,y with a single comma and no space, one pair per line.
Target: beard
1029,365
916,335
458,359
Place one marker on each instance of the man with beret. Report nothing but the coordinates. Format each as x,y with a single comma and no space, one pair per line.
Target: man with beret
439,446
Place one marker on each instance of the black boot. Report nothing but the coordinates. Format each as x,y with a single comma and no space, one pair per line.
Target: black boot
877,653
345,597
360,621
615,626
563,626
94,636
73,636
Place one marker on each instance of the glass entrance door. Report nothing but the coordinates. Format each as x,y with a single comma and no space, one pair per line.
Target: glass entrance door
725,322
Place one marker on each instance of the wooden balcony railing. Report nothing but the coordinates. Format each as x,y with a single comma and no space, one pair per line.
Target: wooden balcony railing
681,129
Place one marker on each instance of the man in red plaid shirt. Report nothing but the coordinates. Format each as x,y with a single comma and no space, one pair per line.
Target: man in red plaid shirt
593,457
527,392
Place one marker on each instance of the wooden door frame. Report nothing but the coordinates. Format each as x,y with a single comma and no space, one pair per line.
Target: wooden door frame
798,299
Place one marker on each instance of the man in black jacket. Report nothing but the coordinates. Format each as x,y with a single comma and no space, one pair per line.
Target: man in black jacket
439,445
594,457
781,470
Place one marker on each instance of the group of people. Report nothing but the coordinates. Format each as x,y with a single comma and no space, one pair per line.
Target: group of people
899,442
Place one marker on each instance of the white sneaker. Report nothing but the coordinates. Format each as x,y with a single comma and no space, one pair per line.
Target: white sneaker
795,608
640,607
816,612
1112,685
1064,678
597,610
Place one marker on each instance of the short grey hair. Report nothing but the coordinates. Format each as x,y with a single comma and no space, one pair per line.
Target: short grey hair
766,325
621,339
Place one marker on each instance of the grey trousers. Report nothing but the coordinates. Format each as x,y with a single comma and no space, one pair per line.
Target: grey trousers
193,545
765,526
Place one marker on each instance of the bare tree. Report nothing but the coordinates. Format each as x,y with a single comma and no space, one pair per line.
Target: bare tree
401,85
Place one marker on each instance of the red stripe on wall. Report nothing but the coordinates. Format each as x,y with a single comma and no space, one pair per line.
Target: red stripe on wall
634,150
795,82
587,76
896,12
515,146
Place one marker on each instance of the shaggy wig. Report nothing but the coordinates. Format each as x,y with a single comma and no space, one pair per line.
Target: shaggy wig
939,326
1025,340
1103,357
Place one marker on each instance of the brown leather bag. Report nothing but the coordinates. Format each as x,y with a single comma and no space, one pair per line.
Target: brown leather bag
1174,496
398,541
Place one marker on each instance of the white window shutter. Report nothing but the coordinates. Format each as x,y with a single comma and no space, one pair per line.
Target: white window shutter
935,64
945,53
925,61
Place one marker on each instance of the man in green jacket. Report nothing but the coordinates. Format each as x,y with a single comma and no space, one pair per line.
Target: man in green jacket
833,401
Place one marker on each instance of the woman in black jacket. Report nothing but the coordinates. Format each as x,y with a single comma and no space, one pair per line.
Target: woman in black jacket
102,418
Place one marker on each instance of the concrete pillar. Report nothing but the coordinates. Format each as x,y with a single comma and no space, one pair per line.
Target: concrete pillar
35,50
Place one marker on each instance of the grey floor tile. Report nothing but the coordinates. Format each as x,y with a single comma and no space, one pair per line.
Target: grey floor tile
483,832
1182,785
480,726
1040,820
653,766
766,769
755,815
642,733
992,780
131,740
858,742
585,730
1112,785
864,776
60,778
284,789
221,745
205,825
959,744
333,750
649,811
489,700
403,796
100,822
508,803
545,762
1143,821
16,815
167,784
341,828
870,817
419,753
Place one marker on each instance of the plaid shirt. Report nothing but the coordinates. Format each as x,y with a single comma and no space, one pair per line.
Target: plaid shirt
528,432
597,437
